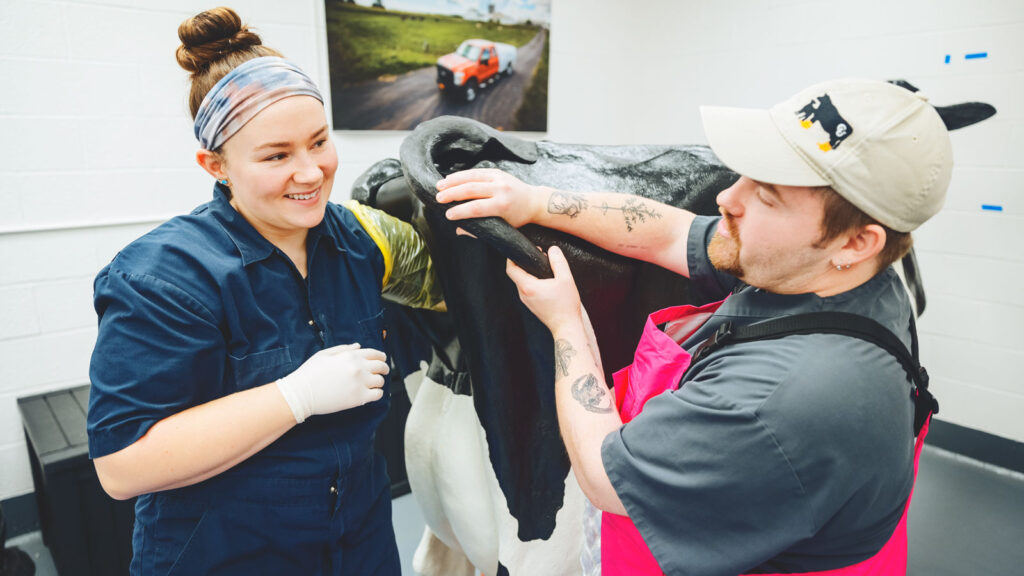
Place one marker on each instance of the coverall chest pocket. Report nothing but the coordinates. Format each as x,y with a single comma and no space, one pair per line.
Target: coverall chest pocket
371,331
260,368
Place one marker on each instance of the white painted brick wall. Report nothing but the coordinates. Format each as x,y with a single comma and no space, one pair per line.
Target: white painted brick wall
98,149
45,361
64,305
22,39
10,420
17,308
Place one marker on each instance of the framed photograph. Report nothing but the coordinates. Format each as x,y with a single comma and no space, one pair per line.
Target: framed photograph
396,63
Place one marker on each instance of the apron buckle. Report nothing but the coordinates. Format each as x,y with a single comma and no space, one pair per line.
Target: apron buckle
924,403
722,335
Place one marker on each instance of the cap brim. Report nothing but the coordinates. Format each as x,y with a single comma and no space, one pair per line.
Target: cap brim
748,142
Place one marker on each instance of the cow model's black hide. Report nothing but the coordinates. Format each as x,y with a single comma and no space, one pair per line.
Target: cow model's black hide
505,360
504,347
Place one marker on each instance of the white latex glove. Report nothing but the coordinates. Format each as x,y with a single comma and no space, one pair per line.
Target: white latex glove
335,379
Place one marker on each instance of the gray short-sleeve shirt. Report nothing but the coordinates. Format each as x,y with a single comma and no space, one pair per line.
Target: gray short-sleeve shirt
785,455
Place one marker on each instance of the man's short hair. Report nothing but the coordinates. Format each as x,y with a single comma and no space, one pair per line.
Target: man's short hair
841,216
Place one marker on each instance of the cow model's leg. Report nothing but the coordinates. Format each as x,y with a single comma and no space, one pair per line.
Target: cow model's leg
465,510
558,555
435,558
446,460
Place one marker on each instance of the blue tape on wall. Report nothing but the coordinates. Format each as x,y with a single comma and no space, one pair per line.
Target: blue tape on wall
976,55
992,207
947,58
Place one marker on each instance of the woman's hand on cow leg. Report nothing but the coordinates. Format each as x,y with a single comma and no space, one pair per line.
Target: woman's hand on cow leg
491,192
554,301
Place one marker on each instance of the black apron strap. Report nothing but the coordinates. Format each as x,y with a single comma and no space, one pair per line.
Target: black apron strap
844,323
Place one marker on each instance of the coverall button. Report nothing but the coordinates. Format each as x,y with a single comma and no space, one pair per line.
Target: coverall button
334,490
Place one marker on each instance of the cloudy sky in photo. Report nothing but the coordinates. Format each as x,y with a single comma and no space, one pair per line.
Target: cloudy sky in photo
535,10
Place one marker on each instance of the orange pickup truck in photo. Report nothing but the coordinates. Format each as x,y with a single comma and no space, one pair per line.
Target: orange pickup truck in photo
474,65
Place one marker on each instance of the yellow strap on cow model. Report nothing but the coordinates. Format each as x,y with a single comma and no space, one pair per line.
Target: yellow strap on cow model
409,276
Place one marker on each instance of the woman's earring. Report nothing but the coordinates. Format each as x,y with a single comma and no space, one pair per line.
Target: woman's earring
224,182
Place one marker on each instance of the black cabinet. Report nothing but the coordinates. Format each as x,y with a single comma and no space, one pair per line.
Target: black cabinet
87,532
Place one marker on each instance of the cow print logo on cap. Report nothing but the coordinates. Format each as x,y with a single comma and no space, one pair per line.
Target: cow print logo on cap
822,111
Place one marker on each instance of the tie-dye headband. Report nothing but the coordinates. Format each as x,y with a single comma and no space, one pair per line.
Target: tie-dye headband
244,92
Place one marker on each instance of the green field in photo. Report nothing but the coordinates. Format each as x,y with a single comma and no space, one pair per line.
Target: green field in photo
532,115
368,43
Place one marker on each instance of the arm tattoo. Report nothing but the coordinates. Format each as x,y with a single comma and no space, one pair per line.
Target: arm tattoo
566,203
563,354
633,210
591,395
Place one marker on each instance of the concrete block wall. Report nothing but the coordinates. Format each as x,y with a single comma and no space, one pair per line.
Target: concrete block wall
98,149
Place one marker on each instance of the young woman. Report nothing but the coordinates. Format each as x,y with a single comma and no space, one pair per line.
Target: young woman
237,379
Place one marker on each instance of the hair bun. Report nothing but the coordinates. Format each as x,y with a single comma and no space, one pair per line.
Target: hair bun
210,36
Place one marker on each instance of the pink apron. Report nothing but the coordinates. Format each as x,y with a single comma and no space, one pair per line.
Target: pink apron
658,365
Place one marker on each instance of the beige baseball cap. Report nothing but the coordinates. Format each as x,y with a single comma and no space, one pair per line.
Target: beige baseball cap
880,146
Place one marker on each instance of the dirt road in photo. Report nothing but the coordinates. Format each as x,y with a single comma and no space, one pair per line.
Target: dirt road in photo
405,101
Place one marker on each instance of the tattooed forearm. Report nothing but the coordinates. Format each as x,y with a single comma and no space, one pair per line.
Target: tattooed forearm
566,203
591,395
563,354
633,210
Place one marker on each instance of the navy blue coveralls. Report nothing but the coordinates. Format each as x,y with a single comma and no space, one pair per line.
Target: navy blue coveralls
202,307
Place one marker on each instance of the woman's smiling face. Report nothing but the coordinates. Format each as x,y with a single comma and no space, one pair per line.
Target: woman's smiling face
281,167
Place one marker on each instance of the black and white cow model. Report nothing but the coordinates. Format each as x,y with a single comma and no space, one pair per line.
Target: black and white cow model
483,451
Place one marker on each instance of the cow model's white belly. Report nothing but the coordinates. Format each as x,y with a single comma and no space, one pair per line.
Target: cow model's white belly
466,513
